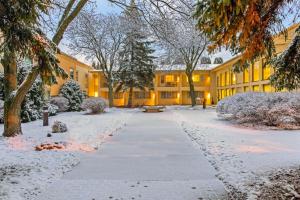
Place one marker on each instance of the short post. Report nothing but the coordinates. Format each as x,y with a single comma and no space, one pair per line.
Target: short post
204,103
45,116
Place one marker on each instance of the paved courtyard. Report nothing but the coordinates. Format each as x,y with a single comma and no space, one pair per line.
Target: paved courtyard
151,158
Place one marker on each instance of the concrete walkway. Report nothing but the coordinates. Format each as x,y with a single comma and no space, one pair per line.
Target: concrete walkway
149,159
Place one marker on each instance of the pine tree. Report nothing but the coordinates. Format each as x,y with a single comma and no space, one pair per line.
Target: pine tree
71,91
136,60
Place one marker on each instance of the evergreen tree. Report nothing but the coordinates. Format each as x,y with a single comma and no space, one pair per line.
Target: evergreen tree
32,105
71,91
136,60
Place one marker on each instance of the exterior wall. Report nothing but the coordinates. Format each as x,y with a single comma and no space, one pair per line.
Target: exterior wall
170,88
71,66
255,78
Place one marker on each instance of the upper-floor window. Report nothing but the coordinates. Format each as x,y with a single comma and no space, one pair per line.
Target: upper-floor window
218,81
255,71
196,78
266,71
222,76
77,75
227,80
71,73
246,75
169,78
233,78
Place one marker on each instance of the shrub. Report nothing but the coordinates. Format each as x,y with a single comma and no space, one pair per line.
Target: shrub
61,102
59,127
280,109
52,109
94,105
71,91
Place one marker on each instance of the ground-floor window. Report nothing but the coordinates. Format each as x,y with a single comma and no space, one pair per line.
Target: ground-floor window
256,88
118,95
168,95
142,95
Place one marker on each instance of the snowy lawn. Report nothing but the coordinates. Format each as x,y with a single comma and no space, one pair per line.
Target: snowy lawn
242,157
24,171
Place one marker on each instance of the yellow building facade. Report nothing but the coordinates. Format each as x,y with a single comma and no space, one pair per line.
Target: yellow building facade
255,78
171,86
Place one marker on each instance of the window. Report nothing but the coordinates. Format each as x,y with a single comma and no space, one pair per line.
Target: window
246,89
256,88
233,91
168,95
71,73
246,75
218,81
233,78
77,75
266,72
198,94
196,78
255,71
227,75
142,95
169,78
222,80
267,88
118,95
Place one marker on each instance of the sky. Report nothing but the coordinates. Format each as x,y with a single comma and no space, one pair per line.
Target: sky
105,7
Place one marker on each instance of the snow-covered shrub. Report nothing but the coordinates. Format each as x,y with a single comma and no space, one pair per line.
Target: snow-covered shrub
94,105
61,102
52,109
1,111
281,109
71,91
59,127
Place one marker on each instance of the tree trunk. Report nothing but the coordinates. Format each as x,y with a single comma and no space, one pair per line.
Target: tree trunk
12,123
110,95
14,96
129,105
192,88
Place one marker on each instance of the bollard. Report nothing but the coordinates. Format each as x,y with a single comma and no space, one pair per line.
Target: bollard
45,116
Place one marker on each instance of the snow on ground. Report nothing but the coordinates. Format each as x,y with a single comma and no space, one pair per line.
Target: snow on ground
24,171
242,157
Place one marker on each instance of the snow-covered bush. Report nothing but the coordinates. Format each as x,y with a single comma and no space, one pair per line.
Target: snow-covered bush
1,111
71,91
61,102
94,105
281,109
52,109
59,127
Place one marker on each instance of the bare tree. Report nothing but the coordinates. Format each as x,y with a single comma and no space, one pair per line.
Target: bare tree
99,37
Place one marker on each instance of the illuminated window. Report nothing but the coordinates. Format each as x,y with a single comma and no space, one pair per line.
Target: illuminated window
227,75
218,81
233,78
228,92
169,78
256,88
246,89
255,72
222,80
196,78
246,75
267,88
223,94
233,91
71,73
266,72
